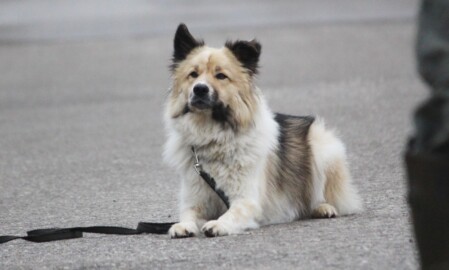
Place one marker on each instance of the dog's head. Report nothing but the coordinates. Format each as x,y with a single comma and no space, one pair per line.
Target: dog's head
213,84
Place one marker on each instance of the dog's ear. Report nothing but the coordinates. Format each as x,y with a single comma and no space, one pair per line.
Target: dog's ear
184,43
247,52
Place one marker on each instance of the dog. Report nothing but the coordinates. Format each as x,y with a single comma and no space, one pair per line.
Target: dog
274,168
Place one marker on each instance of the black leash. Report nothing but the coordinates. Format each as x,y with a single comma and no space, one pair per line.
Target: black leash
54,234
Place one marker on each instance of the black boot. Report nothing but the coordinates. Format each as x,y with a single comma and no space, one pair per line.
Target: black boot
428,196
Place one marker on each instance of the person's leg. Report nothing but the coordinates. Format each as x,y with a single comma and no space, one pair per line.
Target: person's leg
427,155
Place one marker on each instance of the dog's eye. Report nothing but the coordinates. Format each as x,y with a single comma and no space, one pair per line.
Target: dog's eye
221,76
193,74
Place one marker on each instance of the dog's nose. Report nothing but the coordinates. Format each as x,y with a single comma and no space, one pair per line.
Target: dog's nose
200,90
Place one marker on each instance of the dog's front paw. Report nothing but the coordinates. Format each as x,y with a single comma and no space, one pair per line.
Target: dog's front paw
183,230
215,228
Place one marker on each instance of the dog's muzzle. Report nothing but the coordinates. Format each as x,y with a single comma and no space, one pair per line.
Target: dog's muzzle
201,97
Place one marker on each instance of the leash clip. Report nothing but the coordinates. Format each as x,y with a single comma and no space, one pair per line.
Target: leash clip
197,166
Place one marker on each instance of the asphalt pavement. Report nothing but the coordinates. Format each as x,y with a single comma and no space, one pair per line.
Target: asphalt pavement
82,89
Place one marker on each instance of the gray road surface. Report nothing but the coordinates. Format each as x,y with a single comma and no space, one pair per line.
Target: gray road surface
81,94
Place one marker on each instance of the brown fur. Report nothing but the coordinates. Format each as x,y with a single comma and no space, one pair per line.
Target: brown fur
292,165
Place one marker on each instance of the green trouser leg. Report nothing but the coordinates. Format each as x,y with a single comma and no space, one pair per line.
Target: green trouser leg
427,156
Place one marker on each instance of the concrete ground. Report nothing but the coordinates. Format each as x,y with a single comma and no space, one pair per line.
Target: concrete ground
81,95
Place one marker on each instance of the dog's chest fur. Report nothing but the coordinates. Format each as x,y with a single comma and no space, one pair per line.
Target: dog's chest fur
224,153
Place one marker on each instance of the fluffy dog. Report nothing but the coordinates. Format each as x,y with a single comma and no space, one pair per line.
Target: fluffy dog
274,168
